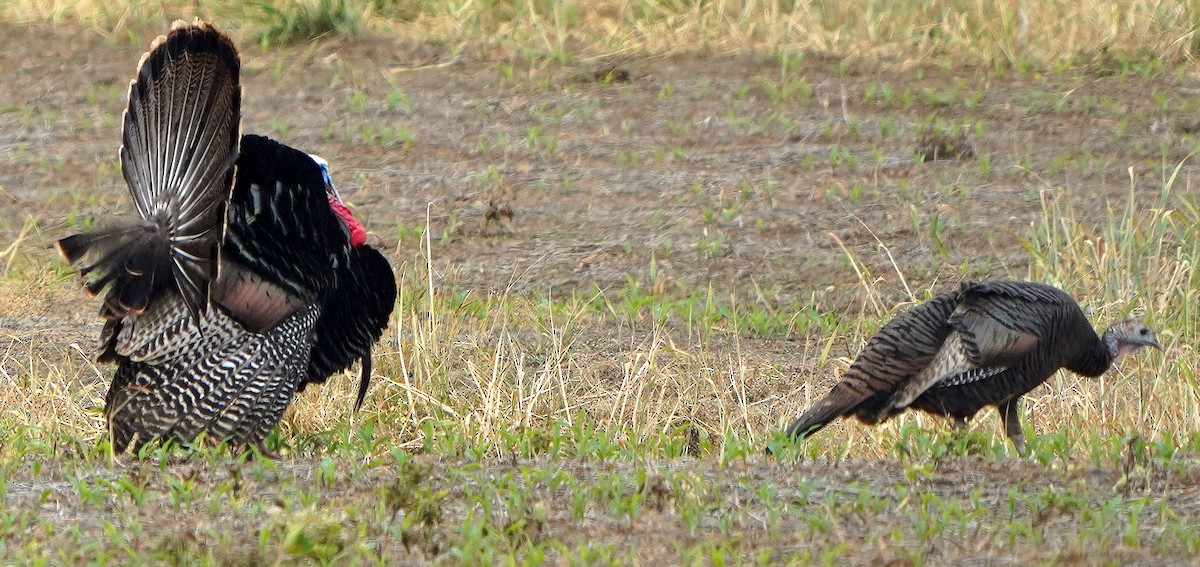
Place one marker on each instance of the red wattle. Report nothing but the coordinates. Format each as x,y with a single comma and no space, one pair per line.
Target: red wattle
358,234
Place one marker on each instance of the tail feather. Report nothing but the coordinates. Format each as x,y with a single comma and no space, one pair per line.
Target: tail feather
124,259
179,144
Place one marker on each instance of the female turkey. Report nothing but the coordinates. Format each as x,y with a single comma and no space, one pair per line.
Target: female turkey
984,344
244,277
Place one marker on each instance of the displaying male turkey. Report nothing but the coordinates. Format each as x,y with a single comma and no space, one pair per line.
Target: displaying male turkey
245,277
984,344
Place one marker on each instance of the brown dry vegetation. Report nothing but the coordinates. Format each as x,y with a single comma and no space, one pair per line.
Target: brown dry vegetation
698,241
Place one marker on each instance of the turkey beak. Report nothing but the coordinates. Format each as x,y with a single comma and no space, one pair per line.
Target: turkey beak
1154,343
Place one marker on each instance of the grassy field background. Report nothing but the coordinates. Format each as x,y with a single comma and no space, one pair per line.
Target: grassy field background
714,204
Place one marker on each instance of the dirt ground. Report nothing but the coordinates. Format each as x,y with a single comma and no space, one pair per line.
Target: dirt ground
815,512
693,165
568,177
688,147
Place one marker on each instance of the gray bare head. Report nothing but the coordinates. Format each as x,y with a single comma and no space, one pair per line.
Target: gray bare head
1127,336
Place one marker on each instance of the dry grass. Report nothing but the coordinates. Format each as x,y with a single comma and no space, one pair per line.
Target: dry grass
1141,261
508,423
508,362
907,31
491,366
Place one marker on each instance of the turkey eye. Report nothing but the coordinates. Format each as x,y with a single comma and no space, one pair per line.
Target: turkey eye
1144,332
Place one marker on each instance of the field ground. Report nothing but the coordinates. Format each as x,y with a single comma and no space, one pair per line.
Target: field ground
620,276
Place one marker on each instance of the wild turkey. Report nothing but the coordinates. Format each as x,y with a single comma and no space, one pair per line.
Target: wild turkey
244,279
984,344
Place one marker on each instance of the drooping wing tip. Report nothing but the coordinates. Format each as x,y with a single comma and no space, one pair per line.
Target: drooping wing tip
798,430
801,428
364,380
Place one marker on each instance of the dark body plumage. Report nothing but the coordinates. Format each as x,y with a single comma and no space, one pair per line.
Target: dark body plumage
239,283
983,344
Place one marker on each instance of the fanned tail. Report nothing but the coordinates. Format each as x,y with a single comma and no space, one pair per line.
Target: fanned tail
180,141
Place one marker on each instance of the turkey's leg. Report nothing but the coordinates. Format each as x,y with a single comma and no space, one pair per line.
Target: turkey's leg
263,451
1010,412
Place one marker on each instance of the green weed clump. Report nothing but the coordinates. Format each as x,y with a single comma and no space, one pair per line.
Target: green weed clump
304,20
